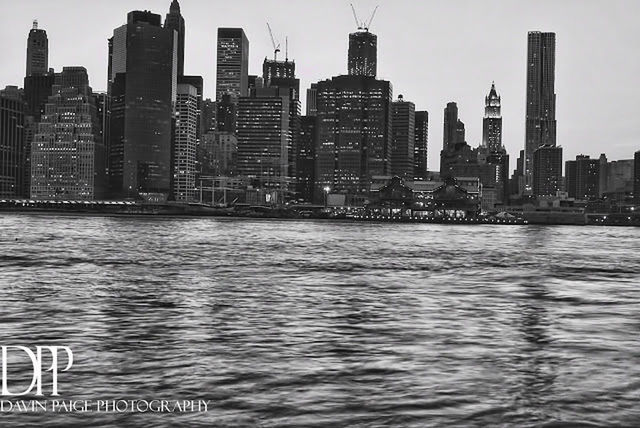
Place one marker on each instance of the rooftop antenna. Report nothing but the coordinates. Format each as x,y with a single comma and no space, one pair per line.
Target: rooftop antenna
276,47
35,24
366,28
286,48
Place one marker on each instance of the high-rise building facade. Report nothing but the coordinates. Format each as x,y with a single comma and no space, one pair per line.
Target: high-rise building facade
282,74
175,21
455,150
38,83
636,176
142,89
421,145
312,100
37,51
582,178
305,158
12,112
264,138
547,170
363,54
354,135
492,122
403,122
185,143
232,64
540,127
67,154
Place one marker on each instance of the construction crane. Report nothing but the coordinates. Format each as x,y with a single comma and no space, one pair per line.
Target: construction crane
363,25
276,46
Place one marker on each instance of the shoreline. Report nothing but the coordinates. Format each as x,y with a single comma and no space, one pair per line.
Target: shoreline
185,211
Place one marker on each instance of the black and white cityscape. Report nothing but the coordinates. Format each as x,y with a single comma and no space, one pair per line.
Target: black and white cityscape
358,150
269,249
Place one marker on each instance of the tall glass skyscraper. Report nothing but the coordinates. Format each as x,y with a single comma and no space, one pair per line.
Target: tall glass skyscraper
232,65
142,88
541,99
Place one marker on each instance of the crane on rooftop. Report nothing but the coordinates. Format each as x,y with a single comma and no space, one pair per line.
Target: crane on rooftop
276,46
362,25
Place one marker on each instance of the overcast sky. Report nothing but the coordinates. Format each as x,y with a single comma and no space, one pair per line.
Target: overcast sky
433,52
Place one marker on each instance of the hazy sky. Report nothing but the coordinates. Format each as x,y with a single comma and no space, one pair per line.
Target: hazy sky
433,52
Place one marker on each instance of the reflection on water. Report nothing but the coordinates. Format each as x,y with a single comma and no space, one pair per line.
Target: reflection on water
303,324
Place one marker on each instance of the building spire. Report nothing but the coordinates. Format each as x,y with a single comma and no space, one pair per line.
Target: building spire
175,7
35,24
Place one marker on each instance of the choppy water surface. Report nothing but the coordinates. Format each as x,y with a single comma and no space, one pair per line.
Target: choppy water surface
329,324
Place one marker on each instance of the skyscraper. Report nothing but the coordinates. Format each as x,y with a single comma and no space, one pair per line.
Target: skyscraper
232,65
38,82
636,176
185,143
454,132
12,110
282,74
312,100
582,178
363,54
175,21
403,122
547,170
421,145
305,158
492,122
455,150
354,135
142,89
37,51
67,154
541,99
264,137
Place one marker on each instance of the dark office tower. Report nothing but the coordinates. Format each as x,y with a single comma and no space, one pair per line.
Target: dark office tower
312,100
354,135
67,154
142,88
421,145
547,170
282,74
403,122
455,150
264,138
37,51
103,107
175,21
454,132
226,111
232,63
636,176
492,122
541,99
305,158
208,116
363,54
582,178
12,109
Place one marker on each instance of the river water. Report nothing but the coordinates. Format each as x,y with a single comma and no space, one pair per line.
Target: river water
329,324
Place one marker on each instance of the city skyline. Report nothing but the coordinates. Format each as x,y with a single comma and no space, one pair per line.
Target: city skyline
450,64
